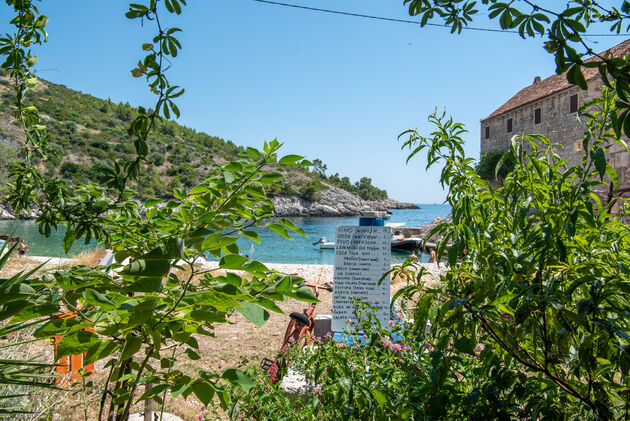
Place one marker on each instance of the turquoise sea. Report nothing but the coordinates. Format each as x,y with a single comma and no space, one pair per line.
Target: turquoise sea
273,248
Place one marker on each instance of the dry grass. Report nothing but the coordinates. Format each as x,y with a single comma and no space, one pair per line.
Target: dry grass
89,258
18,263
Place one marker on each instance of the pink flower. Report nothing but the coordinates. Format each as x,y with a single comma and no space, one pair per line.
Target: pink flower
201,416
396,347
390,323
317,390
377,301
328,335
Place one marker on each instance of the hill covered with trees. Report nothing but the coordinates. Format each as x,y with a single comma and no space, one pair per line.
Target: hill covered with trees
85,131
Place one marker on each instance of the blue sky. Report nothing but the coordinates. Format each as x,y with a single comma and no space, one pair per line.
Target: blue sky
332,87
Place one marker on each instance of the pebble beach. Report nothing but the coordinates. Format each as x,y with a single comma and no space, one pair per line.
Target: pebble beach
319,274
313,273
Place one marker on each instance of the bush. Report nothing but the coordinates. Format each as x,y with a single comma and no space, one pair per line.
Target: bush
156,158
396,371
100,143
311,190
96,153
538,275
70,169
486,167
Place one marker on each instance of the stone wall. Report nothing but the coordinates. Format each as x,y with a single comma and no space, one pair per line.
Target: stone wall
558,124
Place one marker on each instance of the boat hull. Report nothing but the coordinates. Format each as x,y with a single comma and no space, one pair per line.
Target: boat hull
407,244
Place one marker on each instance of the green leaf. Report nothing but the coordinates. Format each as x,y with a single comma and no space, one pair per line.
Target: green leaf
232,261
503,299
380,398
35,312
77,343
99,351
68,239
255,267
238,378
252,235
98,300
145,284
306,293
599,159
132,345
192,355
254,313
208,316
289,159
142,267
279,229
216,300
612,173
173,249
15,292
58,327
204,392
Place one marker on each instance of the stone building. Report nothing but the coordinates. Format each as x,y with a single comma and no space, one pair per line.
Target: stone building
549,107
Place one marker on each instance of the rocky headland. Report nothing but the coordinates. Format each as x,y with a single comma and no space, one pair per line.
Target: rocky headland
333,202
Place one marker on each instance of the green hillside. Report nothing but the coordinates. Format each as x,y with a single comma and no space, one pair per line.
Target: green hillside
85,131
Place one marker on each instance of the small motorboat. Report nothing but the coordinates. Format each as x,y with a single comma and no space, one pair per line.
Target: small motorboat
401,243
323,244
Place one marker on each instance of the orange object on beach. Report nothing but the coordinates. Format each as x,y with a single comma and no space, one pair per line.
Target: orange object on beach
68,367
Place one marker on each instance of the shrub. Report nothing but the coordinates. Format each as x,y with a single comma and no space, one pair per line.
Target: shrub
156,158
100,143
70,169
487,165
312,190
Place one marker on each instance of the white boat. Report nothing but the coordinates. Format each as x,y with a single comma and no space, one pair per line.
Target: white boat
323,244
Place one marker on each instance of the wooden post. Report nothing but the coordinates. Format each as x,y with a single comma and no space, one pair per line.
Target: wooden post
148,404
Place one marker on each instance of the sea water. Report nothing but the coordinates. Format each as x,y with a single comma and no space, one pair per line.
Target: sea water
272,248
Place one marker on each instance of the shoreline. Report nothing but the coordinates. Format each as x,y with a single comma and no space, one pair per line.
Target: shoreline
311,272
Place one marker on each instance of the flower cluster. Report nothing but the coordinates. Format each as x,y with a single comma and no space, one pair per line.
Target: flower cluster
392,346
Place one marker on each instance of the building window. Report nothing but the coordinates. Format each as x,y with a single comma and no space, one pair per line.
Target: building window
537,116
509,125
573,103
487,132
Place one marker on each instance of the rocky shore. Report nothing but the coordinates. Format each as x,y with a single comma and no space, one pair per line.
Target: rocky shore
334,202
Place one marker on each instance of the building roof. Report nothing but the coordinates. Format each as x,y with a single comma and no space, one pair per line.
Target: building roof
554,84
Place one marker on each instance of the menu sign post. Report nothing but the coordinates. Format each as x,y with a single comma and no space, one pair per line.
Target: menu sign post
362,256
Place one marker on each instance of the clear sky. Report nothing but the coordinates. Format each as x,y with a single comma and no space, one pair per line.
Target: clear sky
337,88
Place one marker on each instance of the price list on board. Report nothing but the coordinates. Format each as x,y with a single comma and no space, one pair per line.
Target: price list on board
362,256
